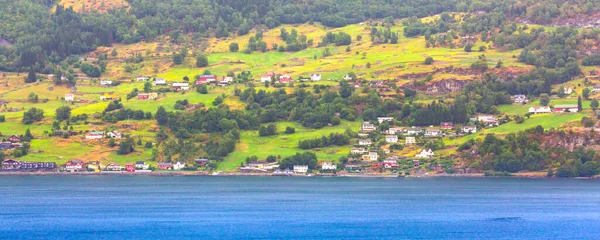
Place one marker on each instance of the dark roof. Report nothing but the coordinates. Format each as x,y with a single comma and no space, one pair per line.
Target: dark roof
164,164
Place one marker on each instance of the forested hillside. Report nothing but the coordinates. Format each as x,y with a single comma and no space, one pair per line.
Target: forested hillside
458,85
43,37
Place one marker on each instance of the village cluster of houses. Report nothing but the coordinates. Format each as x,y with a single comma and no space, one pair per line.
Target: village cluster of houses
272,77
561,108
267,167
410,133
101,135
94,166
139,166
11,142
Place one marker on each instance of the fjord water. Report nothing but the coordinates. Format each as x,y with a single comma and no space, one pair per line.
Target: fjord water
145,207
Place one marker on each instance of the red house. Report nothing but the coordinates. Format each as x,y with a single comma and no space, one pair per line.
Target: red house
446,125
285,79
142,96
164,166
206,78
390,164
130,167
14,138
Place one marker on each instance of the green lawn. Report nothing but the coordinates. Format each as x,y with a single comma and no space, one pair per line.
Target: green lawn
550,120
285,145
520,109
141,154
51,151
168,102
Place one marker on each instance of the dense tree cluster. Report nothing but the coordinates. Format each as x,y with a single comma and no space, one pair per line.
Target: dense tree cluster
339,39
306,158
523,151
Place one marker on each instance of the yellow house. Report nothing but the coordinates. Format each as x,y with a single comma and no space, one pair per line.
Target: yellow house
94,166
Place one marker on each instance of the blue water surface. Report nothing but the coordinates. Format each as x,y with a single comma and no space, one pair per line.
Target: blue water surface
150,207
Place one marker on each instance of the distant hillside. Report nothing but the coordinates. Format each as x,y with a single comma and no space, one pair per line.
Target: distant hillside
94,5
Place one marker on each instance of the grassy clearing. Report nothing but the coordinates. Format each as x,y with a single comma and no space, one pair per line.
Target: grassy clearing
545,120
285,144
44,90
58,150
520,109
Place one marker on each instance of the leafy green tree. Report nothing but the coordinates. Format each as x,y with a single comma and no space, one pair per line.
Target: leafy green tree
586,93
32,97
428,61
147,87
63,113
125,147
177,59
289,130
32,115
31,77
594,104
112,142
202,89
234,47
544,99
217,101
201,61
162,117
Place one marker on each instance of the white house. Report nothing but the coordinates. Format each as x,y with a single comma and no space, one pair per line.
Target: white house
358,150
391,138
543,109
425,153
410,141
178,166
394,130
300,168
568,91
373,156
74,165
69,97
181,86
114,167
94,135
520,98
142,165
106,82
315,77
327,166
433,133
385,119
367,127
227,79
364,142
469,129
347,77
160,81
413,131
485,117
265,78
114,134
142,79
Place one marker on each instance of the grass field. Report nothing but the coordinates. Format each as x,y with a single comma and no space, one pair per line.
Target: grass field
285,144
520,109
545,120
56,150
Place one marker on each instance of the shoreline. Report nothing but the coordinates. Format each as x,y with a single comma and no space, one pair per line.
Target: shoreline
232,174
